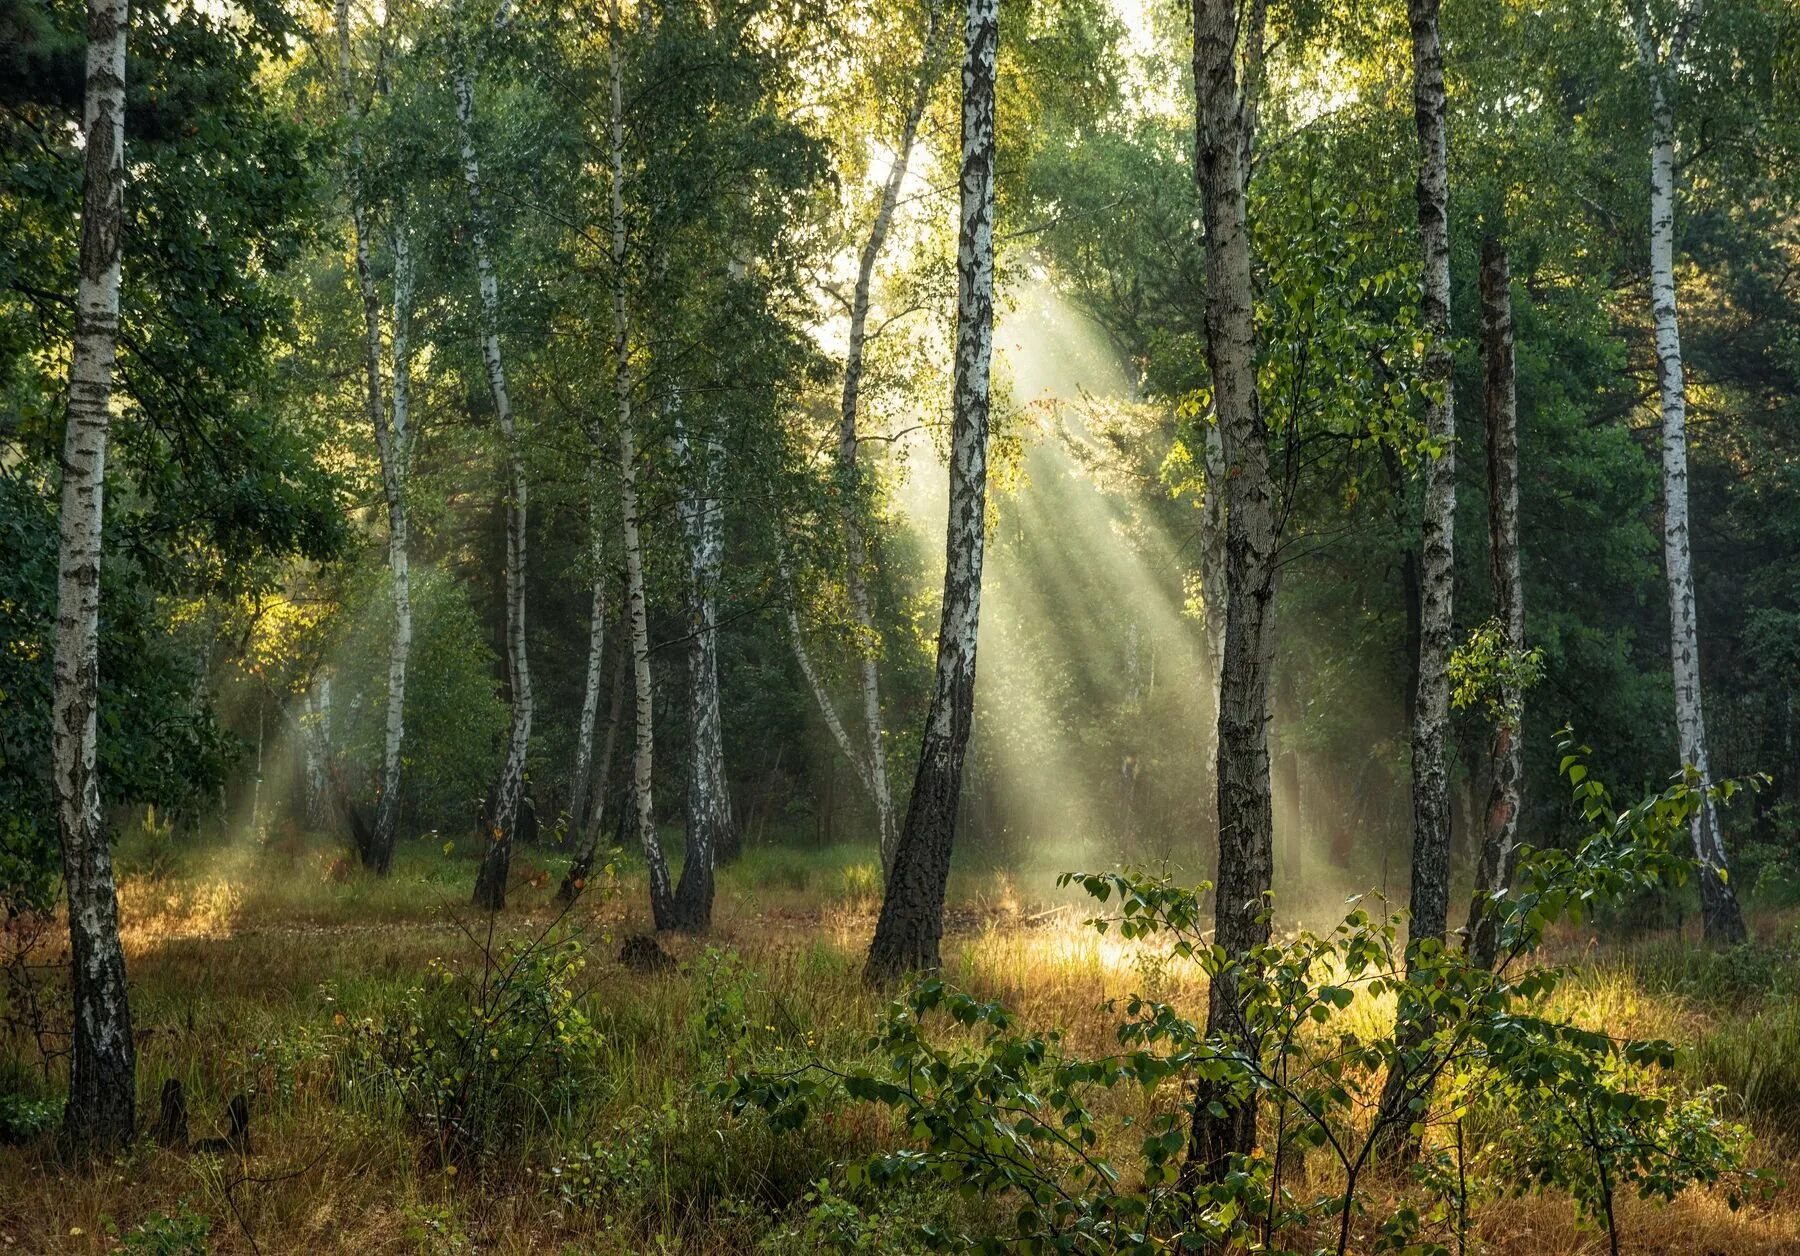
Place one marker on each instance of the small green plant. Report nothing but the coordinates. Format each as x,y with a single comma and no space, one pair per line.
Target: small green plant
1017,1115
1484,672
23,1119
187,1233
480,1059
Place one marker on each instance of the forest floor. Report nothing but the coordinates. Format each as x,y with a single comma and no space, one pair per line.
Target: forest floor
274,970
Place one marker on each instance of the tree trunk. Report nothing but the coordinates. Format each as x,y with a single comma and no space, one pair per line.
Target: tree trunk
582,864
911,925
317,731
490,883
1217,601
102,1105
1225,71
390,446
849,473
636,610
709,828
590,688
1430,905
1723,920
1500,418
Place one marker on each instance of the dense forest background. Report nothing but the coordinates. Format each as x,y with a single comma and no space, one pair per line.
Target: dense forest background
555,447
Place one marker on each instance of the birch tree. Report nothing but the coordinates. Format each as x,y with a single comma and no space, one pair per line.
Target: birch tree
391,443
1431,708
596,644
1662,60
872,770
636,608
702,514
490,883
102,1103
911,924
1228,40
1500,420
1430,903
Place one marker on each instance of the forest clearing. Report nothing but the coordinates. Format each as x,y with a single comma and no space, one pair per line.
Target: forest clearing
502,503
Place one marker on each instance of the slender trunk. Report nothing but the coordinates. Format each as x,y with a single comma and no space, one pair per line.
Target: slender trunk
636,610
875,775
395,456
1431,712
318,715
590,689
1723,920
814,682
581,865
490,883
1430,905
1500,418
102,1104
1227,56
911,926
390,446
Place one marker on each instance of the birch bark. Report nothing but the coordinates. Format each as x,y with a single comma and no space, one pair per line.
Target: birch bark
1500,415
708,796
1431,710
911,924
596,648
1227,59
1430,903
490,883
102,1106
1722,918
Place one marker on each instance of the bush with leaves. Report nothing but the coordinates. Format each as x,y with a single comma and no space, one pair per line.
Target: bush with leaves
1015,1113
481,1059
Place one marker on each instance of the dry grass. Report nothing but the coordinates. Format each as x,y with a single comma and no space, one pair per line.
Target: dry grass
248,967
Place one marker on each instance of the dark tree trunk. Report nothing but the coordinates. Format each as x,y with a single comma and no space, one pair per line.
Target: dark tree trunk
1227,51
911,926
1500,418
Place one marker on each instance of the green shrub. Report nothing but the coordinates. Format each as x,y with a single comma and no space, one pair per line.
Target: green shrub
187,1233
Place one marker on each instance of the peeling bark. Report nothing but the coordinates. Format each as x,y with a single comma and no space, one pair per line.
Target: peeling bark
1500,415
911,925
490,883
1722,918
1429,910
1227,58
102,1107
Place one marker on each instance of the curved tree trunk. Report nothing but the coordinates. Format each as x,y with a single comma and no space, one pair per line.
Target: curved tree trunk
102,1105
1722,918
1225,70
1430,904
1500,414
911,925
490,883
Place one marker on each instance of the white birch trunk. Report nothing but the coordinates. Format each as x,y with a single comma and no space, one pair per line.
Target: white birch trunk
490,888
1723,919
1227,58
1431,710
910,929
590,689
708,796
101,1109
636,610
395,448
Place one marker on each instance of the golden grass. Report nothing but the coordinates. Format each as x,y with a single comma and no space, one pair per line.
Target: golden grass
242,969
